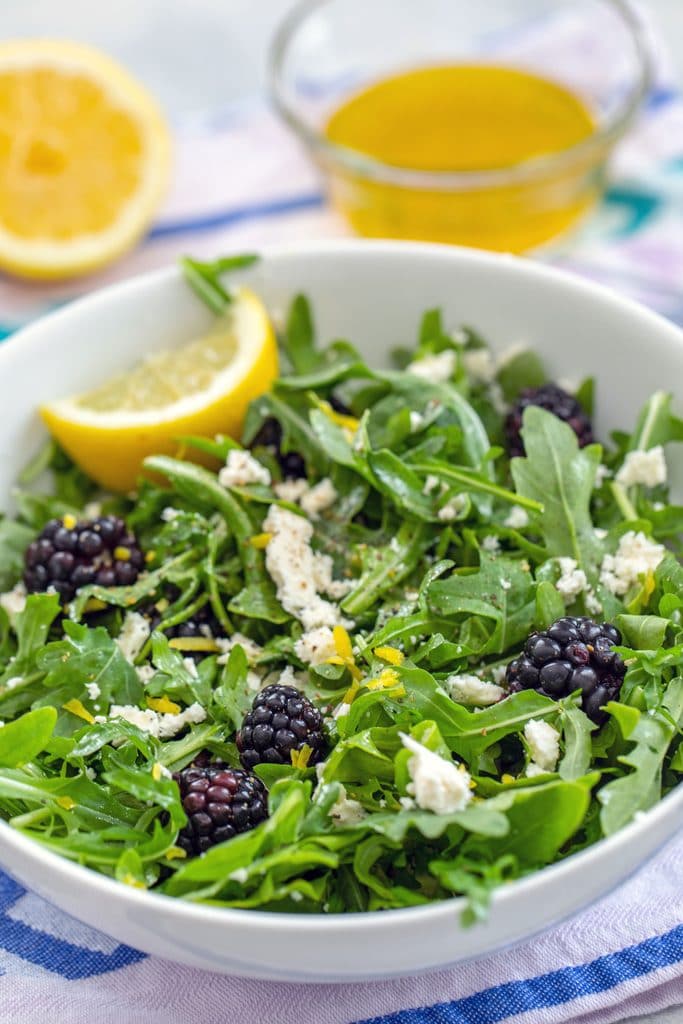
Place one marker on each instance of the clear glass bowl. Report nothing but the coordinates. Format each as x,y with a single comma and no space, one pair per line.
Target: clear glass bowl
327,50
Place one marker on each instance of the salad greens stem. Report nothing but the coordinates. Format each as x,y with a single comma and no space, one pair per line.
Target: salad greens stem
474,482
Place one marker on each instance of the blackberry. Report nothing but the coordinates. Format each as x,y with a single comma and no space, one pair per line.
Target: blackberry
270,436
219,803
555,400
69,554
574,653
281,720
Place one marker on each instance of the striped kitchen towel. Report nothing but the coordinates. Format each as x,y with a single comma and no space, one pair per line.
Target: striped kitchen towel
240,182
621,957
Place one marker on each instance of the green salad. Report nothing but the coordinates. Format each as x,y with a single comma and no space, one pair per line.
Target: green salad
416,636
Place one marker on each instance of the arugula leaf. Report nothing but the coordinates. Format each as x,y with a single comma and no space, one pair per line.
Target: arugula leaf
638,790
26,737
502,591
560,475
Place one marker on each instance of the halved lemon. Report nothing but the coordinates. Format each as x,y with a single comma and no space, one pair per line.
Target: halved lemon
84,158
203,388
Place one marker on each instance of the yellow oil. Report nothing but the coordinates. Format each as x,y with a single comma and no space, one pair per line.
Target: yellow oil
466,117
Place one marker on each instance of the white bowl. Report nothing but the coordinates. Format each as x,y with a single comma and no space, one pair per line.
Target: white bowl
374,294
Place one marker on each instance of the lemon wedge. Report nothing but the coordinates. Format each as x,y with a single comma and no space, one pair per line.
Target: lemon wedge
84,158
203,388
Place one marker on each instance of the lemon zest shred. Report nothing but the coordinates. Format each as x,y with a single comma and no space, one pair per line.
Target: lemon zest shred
66,802
390,654
149,557
342,643
175,853
300,758
194,643
260,540
648,587
346,422
164,706
156,771
351,692
93,604
335,660
162,604
69,521
507,779
136,883
77,708
122,554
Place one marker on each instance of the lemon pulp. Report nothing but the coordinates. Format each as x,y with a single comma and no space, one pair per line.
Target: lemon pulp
203,388
84,158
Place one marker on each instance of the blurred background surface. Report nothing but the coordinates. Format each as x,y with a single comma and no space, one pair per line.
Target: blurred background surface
195,54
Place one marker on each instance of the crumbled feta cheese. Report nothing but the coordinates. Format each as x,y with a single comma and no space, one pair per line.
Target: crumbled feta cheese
341,710
505,584
593,603
296,897
454,507
643,467
90,774
572,581
14,601
636,556
416,420
145,673
407,803
602,473
162,726
290,490
345,811
544,745
254,680
315,646
133,636
239,875
288,677
163,771
300,573
497,399
319,498
252,650
93,510
498,674
93,690
12,683
242,469
470,689
436,368
190,665
437,785
517,519
600,533
431,482
169,513
479,365
491,544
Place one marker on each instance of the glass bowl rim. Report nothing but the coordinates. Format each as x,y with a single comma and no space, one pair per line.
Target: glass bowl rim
361,165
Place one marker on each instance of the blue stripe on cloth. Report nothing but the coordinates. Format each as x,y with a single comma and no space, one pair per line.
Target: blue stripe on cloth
496,1004
251,211
49,952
